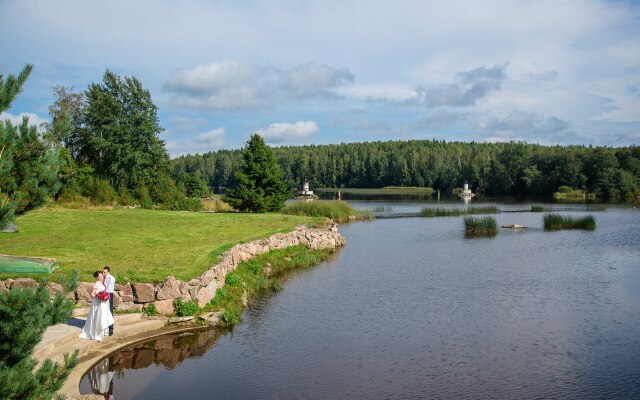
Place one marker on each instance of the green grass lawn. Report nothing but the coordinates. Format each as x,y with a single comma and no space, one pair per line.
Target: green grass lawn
138,245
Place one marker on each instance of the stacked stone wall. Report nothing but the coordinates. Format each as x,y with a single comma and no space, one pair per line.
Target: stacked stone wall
135,296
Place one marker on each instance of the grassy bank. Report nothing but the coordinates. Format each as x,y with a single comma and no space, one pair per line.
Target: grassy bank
480,226
556,222
139,245
262,274
337,210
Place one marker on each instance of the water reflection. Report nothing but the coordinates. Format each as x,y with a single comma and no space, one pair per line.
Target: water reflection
168,351
101,379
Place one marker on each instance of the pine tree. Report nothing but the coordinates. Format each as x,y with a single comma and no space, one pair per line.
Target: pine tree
24,316
28,166
260,183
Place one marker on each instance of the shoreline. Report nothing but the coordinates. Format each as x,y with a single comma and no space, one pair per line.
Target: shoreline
131,328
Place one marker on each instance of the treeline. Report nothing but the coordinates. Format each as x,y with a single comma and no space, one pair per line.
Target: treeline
496,168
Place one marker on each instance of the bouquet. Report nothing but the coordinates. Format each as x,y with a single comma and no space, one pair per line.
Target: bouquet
103,296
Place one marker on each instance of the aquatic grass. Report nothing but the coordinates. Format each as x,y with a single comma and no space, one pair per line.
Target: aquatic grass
480,226
336,210
558,222
431,212
483,210
262,274
539,208
596,207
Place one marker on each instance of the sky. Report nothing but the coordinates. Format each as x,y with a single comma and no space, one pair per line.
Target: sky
336,71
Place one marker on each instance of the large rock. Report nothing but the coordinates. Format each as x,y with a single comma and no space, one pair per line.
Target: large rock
144,292
84,291
165,306
10,228
170,289
24,283
143,358
205,294
130,307
117,299
54,289
3,287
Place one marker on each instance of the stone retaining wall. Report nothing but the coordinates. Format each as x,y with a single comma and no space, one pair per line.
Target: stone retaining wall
135,296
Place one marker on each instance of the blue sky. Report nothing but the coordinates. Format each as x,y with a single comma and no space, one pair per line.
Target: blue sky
332,71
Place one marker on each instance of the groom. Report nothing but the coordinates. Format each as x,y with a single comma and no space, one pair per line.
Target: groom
109,282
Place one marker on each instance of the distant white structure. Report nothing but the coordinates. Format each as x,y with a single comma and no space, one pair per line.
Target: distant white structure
305,193
466,192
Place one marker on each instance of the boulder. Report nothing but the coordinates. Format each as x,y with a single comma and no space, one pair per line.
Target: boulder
24,283
83,292
117,299
10,228
204,295
170,289
54,288
165,306
130,307
144,292
3,287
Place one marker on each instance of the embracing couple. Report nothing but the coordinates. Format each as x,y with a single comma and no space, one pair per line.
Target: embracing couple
100,319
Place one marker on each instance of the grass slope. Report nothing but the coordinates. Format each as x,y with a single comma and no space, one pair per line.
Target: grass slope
139,245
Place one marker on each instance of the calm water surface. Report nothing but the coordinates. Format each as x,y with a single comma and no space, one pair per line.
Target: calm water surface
410,309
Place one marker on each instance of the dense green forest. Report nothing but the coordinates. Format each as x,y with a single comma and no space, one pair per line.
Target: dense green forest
497,168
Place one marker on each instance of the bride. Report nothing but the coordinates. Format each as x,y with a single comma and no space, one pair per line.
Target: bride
99,317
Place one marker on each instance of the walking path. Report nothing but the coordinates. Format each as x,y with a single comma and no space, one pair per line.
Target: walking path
63,338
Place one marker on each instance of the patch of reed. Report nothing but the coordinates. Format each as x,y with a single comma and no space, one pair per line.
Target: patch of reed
480,226
431,212
483,210
337,210
558,222
539,208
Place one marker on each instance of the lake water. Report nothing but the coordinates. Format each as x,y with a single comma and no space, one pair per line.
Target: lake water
411,309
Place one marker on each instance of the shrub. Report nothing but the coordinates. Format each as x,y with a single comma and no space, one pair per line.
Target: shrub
186,309
99,191
150,309
539,208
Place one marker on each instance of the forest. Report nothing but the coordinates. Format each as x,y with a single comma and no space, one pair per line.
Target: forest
513,168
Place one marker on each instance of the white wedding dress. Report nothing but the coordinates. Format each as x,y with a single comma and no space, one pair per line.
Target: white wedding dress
99,318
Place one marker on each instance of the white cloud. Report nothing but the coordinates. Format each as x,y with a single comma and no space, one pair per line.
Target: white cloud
520,125
201,143
214,77
289,132
34,119
229,85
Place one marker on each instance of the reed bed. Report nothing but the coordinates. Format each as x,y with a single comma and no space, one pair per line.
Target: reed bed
483,210
480,226
337,210
442,212
557,222
431,212
539,208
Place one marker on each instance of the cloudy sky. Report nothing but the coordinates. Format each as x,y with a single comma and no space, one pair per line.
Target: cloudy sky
332,71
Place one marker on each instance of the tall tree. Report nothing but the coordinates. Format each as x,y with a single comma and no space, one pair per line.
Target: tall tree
260,183
122,133
28,166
